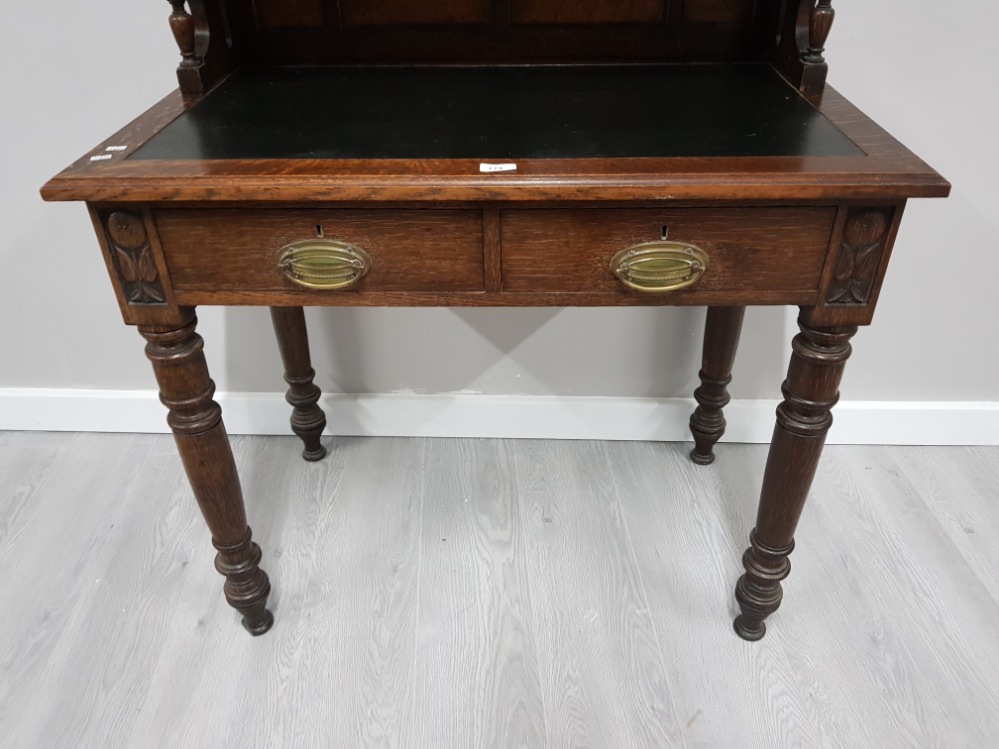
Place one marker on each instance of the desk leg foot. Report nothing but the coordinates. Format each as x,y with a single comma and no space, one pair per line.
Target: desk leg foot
803,420
759,592
307,419
721,339
178,358
246,585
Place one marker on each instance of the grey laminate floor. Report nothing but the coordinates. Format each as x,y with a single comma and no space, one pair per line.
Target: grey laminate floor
467,593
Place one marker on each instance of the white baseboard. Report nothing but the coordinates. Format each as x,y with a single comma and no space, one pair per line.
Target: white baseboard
510,416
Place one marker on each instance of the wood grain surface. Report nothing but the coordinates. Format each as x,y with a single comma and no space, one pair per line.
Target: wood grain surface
763,249
434,250
467,593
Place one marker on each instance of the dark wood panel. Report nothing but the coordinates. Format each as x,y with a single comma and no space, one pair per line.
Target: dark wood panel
411,250
749,248
503,31
400,12
278,14
525,43
718,11
586,11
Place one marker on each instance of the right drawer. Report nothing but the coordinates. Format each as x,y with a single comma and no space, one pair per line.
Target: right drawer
762,249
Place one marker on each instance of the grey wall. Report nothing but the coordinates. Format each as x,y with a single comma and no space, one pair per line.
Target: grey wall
75,72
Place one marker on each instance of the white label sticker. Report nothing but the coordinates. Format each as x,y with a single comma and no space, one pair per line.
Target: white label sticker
116,148
488,168
102,157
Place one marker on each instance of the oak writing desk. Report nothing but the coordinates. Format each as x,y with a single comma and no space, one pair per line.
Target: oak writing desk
500,153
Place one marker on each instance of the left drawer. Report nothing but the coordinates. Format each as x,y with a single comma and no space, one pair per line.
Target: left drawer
224,249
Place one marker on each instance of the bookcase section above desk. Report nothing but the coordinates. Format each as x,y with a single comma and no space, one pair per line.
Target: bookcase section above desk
278,31
218,36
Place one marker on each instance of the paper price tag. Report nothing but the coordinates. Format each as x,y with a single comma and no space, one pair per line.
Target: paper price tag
490,168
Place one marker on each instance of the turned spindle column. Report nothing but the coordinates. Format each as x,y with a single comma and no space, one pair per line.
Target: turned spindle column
307,419
182,25
819,25
803,419
177,354
191,22
721,339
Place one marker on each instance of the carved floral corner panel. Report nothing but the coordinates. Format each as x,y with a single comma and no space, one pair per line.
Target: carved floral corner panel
132,259
865,236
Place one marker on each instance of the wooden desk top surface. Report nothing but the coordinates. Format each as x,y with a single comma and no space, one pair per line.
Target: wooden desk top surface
609,133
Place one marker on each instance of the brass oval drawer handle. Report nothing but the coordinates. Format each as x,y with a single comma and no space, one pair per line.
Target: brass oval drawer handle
323,264
657,267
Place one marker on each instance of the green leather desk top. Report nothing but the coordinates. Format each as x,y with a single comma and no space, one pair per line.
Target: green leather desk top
506,112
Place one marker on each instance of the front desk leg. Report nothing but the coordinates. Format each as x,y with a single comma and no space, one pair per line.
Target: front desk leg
307,419
177,354
721,339
803,419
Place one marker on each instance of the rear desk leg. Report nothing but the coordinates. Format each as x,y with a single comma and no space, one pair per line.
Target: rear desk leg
803,419
177,354
307,419
721,339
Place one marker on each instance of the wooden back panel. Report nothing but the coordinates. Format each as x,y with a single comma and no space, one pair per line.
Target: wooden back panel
498,31
218,35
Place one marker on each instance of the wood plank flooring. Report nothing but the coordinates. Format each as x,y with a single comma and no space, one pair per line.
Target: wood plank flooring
488,593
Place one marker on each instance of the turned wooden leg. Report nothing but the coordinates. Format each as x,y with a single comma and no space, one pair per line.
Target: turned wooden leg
721,339
307,419
177,354
803,419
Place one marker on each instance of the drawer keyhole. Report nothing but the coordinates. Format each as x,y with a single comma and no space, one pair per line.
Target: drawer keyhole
665,232
319,230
